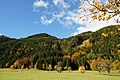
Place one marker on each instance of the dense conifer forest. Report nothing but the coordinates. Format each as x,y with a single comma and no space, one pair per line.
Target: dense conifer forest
82,49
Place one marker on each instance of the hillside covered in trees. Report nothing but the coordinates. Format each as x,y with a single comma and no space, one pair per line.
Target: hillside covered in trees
43,49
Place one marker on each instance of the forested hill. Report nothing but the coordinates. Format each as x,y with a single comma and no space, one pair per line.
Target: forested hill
44,48
5,39
42,35
106,40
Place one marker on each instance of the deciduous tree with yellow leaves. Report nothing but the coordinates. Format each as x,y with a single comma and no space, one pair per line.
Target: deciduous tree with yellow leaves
101,10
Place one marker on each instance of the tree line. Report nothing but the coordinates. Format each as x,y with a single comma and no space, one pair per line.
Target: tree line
44,51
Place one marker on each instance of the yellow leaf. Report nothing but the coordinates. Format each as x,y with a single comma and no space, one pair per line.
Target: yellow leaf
108,17
100,7
99,17
94,17
97,3
82,2
118,29
118,51
91,10
104,34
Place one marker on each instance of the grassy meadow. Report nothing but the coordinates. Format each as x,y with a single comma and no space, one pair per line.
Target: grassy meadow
32,74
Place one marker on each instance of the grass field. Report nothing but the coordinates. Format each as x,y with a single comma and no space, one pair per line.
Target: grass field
7,74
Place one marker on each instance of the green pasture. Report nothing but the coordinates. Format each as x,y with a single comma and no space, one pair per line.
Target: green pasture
32,74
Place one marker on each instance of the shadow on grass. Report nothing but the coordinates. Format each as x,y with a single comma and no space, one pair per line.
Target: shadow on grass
115,75
112,74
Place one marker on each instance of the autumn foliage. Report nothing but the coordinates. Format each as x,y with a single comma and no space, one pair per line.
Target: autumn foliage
81,69
24,62
104,10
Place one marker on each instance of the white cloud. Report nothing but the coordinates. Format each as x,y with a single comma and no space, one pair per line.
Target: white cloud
65,18
61,3
73,15
58,15
69,18
67,13
58,11
66,23
56,2
94,26
45,21
91,25
40,3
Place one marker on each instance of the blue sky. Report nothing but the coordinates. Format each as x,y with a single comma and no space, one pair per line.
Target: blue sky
22,18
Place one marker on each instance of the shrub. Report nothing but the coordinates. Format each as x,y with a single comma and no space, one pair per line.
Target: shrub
49,67
116,65
59,69
81,69
12,66
69,69
55,67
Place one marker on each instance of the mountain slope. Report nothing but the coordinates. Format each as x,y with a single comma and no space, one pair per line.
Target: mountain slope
42,35
4,39
70,44
46,49
33,47
106,40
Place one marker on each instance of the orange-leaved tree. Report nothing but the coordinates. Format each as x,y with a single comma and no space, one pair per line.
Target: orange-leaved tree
100,10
